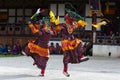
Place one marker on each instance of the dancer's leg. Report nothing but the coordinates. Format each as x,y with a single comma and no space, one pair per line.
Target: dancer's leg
42,72
65,70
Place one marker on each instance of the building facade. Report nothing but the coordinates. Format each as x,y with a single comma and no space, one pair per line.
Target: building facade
14,15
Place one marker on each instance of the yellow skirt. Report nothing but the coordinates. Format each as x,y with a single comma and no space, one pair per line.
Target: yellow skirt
70,44
38,50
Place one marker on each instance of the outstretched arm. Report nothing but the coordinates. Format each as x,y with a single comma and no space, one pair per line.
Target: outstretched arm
56,28
36,14
34,27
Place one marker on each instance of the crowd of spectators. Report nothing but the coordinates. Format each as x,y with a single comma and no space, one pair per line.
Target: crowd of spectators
6,49
16,49
55,49
112,38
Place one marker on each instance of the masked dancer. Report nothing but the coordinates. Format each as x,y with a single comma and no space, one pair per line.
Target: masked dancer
38,49
73,48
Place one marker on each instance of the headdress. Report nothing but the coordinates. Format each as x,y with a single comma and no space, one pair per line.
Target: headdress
44,21
74,16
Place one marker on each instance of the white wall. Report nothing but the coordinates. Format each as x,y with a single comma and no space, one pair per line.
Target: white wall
61,10
54,42
103,50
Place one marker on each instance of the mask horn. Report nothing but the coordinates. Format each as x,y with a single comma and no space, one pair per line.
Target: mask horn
52,16
57,21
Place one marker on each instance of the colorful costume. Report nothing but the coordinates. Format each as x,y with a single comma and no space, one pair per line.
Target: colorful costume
72,47
38,49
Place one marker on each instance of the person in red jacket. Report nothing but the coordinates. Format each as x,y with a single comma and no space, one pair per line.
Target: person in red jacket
58,49
52,48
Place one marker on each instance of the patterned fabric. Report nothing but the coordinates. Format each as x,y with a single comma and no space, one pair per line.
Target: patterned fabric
72,47
73,56
38,50
40,61
70,44
34,28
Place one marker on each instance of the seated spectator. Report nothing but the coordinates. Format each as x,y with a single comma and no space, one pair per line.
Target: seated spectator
9,49
117,34
3,49
19,49
14,50
58,49
52,48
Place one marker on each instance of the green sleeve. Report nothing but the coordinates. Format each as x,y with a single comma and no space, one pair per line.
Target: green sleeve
34,16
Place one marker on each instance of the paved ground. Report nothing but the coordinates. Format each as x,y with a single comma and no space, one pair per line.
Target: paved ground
97,68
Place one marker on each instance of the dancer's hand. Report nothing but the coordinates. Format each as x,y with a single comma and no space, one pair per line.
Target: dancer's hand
38,11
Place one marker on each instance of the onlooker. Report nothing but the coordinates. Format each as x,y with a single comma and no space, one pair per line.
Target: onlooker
52,48
19,48
3,49
117,34
9,49
58,49
14,50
